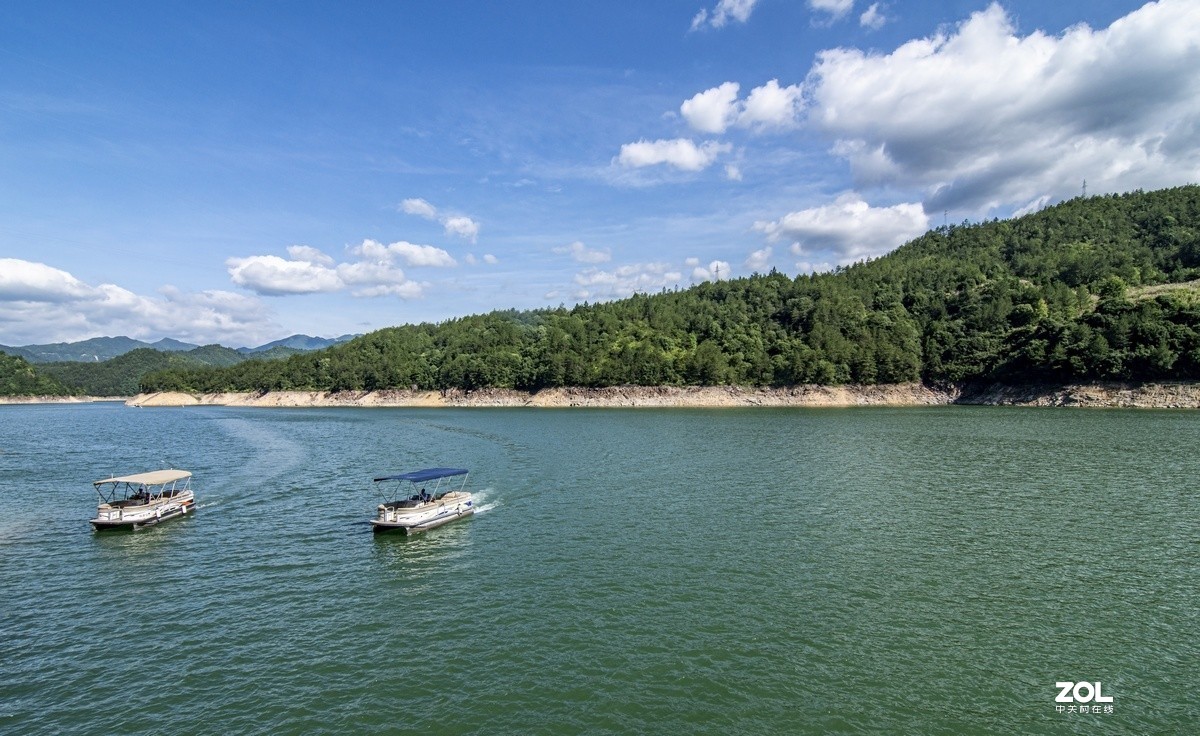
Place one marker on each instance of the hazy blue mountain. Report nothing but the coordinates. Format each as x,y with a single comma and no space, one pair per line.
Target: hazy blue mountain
301,343
94,350
168,345
100,349
17,353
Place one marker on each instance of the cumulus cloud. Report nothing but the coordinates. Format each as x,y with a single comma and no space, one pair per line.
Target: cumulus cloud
714,271
377,277
759,260
873,17
680,153
713,110
39,302
30,281
309,254
419,207
583,254
725,11
836,9
457,225
626,280
373,270
810,267
275,276
850,229
490,259
463,227
410,253
982,117
769,106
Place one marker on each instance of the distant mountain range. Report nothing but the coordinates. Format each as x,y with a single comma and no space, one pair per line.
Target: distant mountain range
100,349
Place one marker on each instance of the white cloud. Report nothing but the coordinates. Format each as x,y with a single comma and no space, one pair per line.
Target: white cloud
772,106
373,278
405,290
583,254
626,280
463,227
309,254
37,282
835,8
725,10
713,110
419,207
733,172
457,225
40,303
873,17
849,228
371,272
769,106
759,260
490,259
681,153
715,271
410,253
275,276
982,117
810,267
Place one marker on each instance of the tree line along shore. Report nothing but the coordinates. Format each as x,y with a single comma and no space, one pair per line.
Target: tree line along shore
1098,291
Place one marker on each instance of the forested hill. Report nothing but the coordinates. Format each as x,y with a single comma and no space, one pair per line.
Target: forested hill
19,378
1089,289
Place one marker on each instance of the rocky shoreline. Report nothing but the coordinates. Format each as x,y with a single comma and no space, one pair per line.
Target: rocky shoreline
60,399
1113,395
616,396
1159,395
1163,395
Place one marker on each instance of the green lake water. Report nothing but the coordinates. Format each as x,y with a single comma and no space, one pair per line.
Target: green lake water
749,571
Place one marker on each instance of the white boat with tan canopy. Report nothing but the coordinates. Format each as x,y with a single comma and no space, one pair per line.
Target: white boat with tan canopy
143,499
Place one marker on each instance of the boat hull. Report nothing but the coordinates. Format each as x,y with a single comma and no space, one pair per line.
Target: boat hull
416,523
129,520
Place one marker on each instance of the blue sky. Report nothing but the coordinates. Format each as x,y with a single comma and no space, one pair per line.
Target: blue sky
239,172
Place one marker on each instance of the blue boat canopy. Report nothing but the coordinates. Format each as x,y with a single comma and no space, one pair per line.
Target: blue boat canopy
420,476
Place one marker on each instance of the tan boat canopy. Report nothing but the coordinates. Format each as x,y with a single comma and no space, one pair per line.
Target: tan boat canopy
153,478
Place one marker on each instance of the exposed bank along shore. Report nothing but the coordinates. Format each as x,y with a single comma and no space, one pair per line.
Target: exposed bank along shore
1175,395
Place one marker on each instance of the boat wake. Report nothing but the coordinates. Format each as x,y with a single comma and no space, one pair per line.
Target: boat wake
270,454
480,498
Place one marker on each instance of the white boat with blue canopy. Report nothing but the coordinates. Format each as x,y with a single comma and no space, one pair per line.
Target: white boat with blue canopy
411,506
143,499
